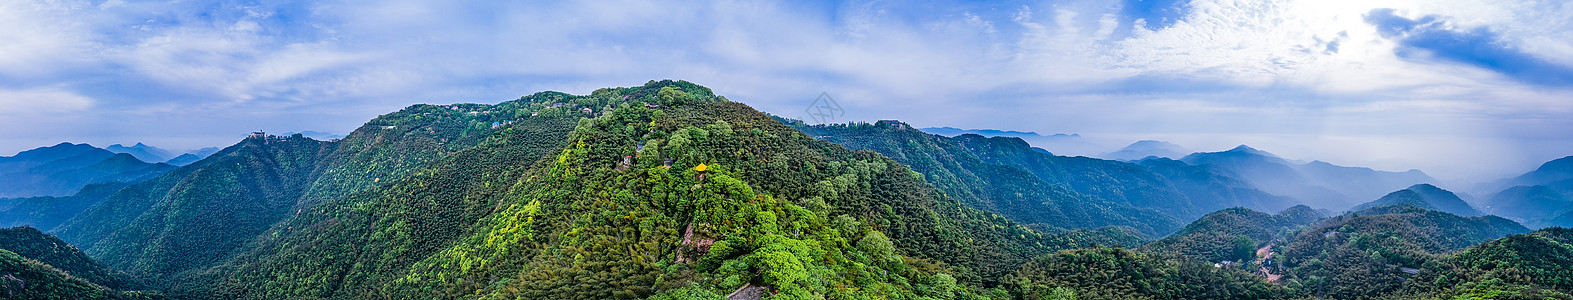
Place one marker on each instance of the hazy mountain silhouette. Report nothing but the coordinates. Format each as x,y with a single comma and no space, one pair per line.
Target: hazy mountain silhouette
1146,148
1424,196
143,152
1318,184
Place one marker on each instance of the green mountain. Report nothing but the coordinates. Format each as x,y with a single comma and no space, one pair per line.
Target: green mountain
667,191
1533,265
33,244
423,193
1233,234
954,165
1424,196
207,212
1380,252
34,265
1105,273
63,169
1007,176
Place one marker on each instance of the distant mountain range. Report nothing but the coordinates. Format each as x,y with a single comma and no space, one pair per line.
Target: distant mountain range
1540,198
63,169
1318,184
142,151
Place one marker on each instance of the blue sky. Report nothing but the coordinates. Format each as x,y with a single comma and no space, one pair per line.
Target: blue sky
1456,88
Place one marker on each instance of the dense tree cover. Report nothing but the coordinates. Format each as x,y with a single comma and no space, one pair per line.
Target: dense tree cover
33,244
1186,196
63,169
1105,273
1009,190
207,212
1219,236
1373,253
1007,176
200,214
34,265
615,210
1537,265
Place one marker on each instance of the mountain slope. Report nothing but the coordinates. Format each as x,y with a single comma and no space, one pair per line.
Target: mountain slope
34,265
1232,234
1424,196
1537,198
776,210
33,244
1008,190
1552,171
1181,191
1373,253
200,213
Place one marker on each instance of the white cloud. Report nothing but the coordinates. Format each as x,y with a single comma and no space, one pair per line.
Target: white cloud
1284,67
41,102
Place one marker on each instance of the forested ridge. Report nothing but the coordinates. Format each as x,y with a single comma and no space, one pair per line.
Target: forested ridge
1007,176
668,191
34,265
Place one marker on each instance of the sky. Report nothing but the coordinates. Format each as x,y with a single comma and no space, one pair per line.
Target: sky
1462,89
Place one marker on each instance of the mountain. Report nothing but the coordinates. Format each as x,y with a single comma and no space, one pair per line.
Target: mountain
1009,190
1318,184
1556,170
1533,265
65,168
183,160
668,191
1233,234
1538,197
1007,176
34,265
1424,196
577,202
204,213
1381,252
142,152
34,244
1183,192
1144,149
